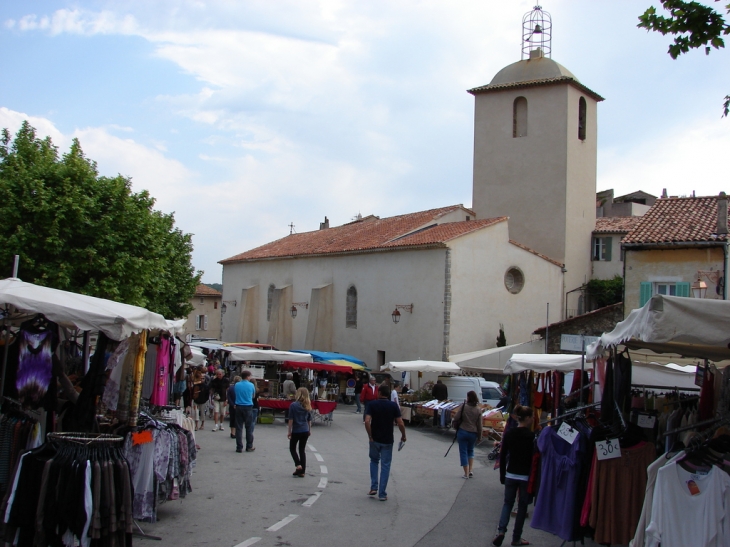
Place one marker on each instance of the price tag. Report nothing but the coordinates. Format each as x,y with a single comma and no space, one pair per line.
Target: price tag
646,421
606,450
567,433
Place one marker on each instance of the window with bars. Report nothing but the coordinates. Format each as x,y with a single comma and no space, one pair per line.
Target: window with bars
582,119
269,300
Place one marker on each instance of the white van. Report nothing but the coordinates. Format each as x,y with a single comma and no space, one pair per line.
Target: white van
458,386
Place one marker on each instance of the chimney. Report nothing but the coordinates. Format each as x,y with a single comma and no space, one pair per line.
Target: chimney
324,225
722,214
664,193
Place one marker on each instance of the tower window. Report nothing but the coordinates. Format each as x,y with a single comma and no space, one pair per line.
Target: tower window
582,119
351,308
519,117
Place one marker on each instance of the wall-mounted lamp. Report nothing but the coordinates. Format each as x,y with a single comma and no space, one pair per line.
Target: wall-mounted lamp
224,307
699,289
296,305
396,314
714,277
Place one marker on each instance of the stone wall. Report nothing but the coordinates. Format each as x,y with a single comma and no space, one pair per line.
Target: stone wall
594,323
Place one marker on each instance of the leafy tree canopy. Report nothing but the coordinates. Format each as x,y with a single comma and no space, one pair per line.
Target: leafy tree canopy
77,231
693,26
604,292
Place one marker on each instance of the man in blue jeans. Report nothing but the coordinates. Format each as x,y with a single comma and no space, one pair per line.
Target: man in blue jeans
244,412
379,417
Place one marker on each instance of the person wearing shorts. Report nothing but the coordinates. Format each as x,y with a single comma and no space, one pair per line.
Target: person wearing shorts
219,395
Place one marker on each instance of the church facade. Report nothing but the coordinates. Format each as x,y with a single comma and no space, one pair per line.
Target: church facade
429,284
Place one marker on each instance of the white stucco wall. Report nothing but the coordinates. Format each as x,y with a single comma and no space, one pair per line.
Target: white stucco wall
480,300
671,265
382,281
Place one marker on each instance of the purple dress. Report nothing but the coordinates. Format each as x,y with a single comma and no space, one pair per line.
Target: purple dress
561,466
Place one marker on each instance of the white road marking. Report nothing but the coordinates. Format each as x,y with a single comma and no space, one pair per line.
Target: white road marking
249,541
323,469
283,522
319,457
311,448
322,483
312,499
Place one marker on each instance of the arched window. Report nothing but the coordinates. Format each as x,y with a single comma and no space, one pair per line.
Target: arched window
519,117
582,119
351,308
269,300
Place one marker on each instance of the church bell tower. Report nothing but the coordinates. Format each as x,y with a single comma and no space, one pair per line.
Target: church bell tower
535,130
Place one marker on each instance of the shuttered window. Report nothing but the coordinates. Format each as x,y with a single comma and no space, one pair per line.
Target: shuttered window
649,289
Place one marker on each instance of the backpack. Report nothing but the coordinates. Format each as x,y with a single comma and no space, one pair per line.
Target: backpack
200,394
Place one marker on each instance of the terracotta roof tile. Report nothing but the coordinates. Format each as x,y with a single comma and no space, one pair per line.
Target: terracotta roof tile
532,83
205,290
368,234
615,225
526,248
678,220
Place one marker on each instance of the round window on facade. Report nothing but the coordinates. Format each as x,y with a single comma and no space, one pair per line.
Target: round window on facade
514,280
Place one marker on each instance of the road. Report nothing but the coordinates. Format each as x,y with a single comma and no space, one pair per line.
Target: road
251,498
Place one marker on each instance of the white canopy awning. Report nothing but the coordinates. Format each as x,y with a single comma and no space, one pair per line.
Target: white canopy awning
494,359
421,366
198,357
73,310
691,327
542,363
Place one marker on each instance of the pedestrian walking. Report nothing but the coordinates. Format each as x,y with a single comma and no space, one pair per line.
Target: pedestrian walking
255,399
199,398
369,394
231,398
245,391
515,462
469,418
380,415
358,391
219,394
288,388
300,420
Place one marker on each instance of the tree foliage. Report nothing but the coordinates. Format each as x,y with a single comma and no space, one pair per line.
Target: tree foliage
693,26
77,231
604,292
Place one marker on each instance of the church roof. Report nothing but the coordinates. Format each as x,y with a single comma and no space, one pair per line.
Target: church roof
538,71
678,220
412,230
615,225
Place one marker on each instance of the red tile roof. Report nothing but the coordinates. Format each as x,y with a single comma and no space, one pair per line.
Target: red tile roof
678,220
205,290
370,234
615,225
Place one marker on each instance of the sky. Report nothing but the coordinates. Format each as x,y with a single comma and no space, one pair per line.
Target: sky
245,117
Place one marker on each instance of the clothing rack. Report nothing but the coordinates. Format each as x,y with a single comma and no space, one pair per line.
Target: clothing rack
666,388
570,413
85,438
703,423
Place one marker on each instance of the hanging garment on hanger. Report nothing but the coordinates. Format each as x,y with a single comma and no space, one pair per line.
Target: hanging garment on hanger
115,367
618,493
622,381
161,385
689,508
561,467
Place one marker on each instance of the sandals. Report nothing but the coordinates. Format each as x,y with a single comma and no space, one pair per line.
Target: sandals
372,492
520,542
498,539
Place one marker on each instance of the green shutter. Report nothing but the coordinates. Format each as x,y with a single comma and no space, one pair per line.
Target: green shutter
608,242
683,288
644,293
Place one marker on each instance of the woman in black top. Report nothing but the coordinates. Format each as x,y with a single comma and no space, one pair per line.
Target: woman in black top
515,462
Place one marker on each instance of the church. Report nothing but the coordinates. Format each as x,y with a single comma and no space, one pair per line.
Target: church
430,284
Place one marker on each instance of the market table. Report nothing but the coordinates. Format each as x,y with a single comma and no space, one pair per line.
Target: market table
321,410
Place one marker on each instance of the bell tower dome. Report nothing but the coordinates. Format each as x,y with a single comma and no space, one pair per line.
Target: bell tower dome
535,131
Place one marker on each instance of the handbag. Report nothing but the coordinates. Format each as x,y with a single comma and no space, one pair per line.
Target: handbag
457,421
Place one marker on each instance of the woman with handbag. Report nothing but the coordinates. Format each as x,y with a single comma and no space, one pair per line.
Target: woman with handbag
468,424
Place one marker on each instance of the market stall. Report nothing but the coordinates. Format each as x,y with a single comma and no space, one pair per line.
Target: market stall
48,332
634,493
